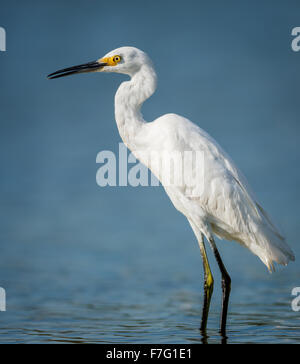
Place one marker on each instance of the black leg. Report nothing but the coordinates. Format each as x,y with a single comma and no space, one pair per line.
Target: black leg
226,286
208,281
208,288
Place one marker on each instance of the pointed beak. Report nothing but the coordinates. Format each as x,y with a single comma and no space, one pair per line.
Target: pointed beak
82,68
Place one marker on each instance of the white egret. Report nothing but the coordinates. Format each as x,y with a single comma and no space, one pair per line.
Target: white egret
226,207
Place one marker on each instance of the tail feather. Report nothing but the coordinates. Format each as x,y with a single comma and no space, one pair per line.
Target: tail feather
270,247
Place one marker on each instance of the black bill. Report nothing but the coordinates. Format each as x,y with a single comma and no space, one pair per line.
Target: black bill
82,68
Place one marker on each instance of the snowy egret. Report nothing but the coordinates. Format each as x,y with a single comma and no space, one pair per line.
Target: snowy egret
226,207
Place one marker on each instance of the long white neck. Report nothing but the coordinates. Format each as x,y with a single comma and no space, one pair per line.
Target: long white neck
128,102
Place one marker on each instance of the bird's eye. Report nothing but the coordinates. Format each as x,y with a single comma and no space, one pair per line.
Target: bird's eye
117,59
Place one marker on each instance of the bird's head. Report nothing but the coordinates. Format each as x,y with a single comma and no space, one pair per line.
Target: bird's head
126,60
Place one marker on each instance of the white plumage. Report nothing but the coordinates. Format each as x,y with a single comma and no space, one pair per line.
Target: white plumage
226,206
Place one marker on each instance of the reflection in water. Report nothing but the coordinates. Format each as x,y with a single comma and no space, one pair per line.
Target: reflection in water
112,318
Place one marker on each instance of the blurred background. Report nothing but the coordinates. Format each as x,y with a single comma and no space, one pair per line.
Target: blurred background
82,263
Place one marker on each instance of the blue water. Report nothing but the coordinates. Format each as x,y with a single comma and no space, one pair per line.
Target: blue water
81,263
